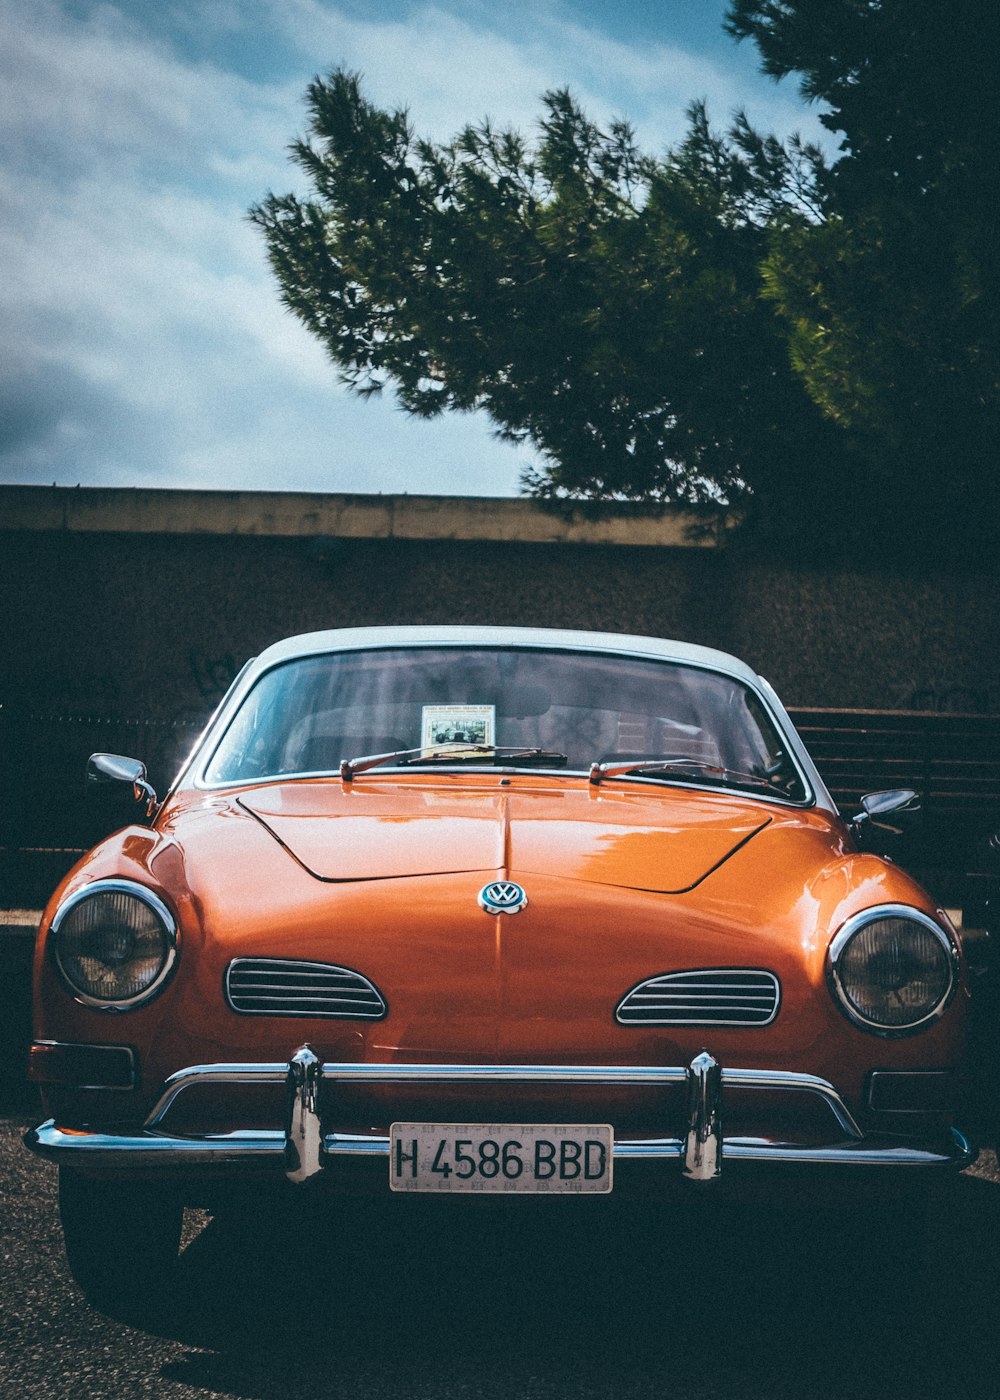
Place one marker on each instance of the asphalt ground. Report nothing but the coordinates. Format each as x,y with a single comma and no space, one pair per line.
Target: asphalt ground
428,1300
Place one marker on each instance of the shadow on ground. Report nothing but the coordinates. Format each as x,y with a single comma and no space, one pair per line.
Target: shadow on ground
463,1300
440,1298
444,1299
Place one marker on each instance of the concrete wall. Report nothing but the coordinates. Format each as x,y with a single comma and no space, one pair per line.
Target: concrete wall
146,602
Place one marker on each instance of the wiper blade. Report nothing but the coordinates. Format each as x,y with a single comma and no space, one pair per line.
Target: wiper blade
513,753
599,771
442,753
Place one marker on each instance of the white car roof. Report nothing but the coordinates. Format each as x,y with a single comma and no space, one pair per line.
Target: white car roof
362,638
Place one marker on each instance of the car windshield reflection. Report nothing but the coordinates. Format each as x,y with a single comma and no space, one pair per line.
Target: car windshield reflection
345,712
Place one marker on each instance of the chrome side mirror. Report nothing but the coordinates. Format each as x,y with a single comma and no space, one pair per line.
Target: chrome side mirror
885,817
114,768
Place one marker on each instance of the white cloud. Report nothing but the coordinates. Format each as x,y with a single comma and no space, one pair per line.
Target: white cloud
450,68
86,93
150,342
147,340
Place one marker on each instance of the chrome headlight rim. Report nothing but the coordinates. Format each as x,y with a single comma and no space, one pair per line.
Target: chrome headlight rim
159,908
853,926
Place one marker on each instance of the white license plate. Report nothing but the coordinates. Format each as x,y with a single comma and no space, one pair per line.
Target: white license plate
506,1158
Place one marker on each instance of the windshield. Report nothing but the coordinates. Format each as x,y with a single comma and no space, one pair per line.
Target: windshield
307,716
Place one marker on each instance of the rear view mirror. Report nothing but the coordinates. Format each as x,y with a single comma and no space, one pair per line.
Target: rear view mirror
885,817
116,769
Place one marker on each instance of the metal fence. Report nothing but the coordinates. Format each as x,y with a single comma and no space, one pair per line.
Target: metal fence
48,817
951,760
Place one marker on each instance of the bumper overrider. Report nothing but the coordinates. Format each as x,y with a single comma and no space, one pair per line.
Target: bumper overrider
309,1144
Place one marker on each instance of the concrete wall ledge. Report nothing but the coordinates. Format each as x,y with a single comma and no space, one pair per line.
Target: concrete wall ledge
140,510
19,923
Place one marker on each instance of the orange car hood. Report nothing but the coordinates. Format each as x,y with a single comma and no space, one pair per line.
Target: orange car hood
663,840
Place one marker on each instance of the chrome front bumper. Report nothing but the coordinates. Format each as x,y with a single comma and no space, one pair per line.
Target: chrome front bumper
308,1145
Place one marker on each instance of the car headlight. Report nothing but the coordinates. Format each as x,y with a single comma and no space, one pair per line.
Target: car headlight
114,942
893,969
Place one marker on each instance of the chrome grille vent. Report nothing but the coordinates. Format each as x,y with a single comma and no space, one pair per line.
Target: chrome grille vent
715,996
286,987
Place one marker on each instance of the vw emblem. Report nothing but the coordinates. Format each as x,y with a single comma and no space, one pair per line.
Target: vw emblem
502,897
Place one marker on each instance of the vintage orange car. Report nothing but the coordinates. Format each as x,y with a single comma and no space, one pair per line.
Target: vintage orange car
484,910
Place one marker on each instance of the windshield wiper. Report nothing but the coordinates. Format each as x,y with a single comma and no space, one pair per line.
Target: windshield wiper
442,753
599,771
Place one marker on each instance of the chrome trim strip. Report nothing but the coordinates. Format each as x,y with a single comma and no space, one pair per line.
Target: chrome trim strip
374,1009
610,1075
208,728
267,1149
506,771
212,1074
956,1151
687,988
49,1140
802,1083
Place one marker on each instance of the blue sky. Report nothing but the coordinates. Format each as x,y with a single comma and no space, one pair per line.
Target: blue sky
144,341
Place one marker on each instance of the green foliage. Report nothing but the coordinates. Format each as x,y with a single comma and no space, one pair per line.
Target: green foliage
891,300
602,305
735,324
